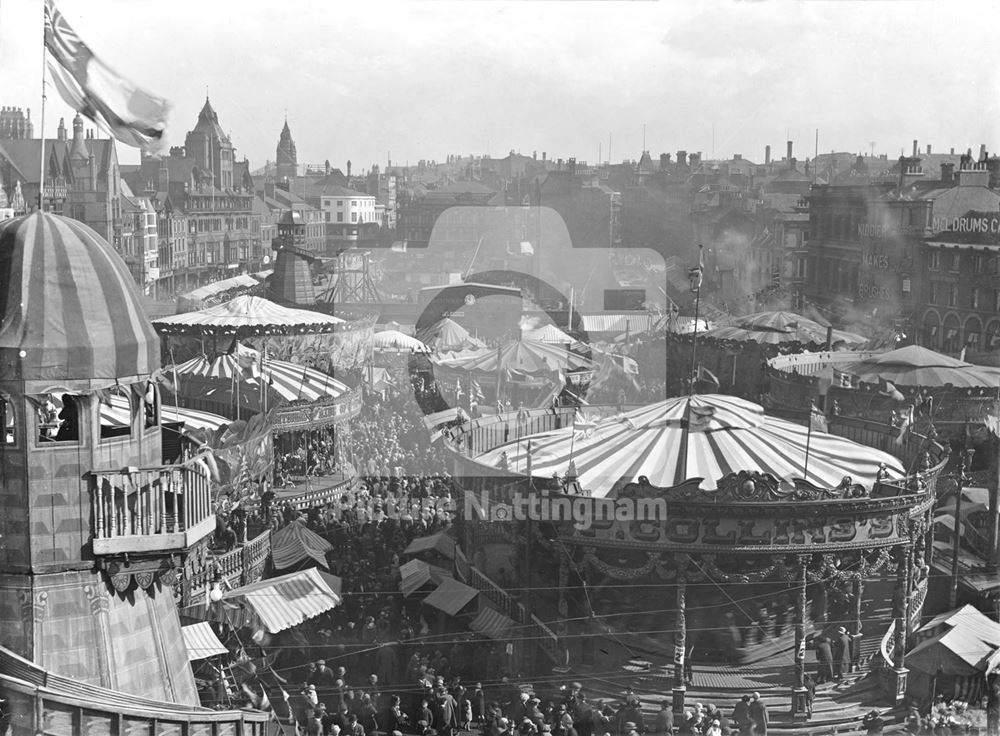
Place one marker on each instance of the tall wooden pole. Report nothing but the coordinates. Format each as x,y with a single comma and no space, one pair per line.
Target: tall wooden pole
680,635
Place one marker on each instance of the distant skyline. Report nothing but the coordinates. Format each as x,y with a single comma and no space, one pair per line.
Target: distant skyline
428,79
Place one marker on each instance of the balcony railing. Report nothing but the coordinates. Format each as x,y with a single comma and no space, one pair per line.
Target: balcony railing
137,510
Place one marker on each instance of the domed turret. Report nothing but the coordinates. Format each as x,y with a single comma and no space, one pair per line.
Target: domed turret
69,310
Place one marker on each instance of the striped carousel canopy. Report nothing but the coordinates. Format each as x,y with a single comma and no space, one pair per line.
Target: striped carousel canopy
69,309
115,413
247,315
447,334
914,365
727,434
775,328
290,381
526,357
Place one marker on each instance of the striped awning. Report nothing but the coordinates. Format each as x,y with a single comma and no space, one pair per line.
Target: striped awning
292,382
294,543
631,323
525,357
780,327
201,642
417,573
69,308
247,315
493,625
115,412
451,596
284,602
727,435
440,543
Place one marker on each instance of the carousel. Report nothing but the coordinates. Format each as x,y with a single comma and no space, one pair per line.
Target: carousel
751,526
735,353
249,366
908,387
520,372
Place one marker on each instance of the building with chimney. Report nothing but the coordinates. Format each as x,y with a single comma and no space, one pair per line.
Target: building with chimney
206,225
912,254
82,177
285,158
15,123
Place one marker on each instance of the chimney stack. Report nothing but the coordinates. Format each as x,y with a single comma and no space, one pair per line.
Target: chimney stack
952,153
928,149
767,155
916,150
572,166
948,173
982,151
789,152
544,155
534,155
682,158
664,161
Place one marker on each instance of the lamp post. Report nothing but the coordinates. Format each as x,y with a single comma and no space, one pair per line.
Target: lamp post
966,462
696,276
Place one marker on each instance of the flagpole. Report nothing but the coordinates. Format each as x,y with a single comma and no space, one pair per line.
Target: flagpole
809,434
41,161
696,284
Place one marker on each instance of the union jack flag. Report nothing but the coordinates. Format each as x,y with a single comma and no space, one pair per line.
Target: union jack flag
132,115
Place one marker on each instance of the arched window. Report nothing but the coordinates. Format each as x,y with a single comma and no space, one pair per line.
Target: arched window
8,421
58,418
973,334
150,406
116,413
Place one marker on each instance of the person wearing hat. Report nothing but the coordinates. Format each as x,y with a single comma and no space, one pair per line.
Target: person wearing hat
873,722
741,716
663,723
714,713
759,715
824,658
519,708
502,725
841,653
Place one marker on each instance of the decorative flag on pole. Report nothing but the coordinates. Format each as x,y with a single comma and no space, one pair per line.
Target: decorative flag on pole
885,388
696,274
706,376
129,113
817,420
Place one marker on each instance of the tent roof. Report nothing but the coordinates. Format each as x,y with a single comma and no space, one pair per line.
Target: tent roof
440,543
447,334
69,308
286,601
290,381
519,356
734,434
201,642
390,340
451,596
493,625
117,413
775,328
917,366
956,652
217,287
247,315
417,573
294,543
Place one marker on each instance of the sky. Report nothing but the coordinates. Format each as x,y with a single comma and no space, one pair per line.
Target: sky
367,81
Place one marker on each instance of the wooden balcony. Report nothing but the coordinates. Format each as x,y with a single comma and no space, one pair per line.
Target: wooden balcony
147,510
